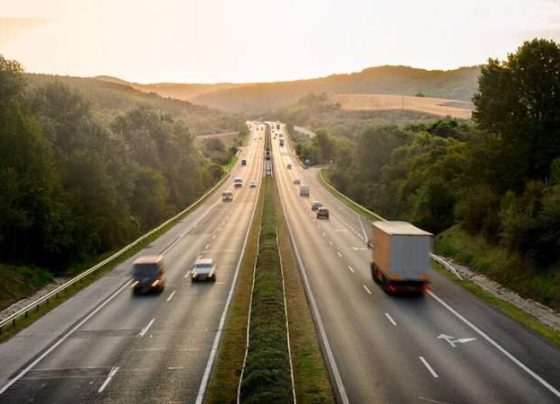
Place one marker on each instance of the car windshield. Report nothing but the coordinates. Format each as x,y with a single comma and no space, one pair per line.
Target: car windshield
145,270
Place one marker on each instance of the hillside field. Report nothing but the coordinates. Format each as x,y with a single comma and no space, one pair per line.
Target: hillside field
435,106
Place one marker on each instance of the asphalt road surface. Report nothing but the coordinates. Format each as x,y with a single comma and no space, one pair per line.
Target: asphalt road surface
444,347
107,345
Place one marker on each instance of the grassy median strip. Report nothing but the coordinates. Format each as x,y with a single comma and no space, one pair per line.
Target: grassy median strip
312,383
224,380
267,373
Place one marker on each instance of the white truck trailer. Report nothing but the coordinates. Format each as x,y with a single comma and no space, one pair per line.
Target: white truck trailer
401,257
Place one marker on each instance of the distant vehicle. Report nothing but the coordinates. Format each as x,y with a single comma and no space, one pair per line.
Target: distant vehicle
243,162
322,213
289,166
401,257
253,184
278,126
304,190
237,182
148,274
316,205
227,196
297,182
267,154
281,142
203,269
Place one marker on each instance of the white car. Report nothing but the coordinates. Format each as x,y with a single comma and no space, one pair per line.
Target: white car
203,269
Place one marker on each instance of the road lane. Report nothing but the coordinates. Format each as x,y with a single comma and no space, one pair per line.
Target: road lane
380,361
152,347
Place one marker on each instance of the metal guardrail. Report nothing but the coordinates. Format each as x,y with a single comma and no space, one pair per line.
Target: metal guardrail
435,257
11,320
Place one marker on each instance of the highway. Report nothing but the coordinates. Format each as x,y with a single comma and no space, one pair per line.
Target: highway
107,345
444,347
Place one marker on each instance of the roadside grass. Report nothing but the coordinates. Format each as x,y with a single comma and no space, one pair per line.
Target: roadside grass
8,331
224,379
323,179
497,264
519,274
17,282
267,373
312,383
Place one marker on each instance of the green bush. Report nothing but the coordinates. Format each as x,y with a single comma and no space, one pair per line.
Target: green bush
267,376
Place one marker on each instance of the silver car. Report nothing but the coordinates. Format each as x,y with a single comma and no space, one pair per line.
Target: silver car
203,269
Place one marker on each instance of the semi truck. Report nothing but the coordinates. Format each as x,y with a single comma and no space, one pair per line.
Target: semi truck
400,257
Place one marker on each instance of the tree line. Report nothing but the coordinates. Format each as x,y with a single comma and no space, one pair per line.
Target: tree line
497,177
73,188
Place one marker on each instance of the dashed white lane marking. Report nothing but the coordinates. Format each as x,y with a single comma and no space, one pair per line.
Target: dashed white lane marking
111,374
324,235
367,289
171,295
390,319
207,246
330,242
213,237
351,269
145,329
425,362
339,254
187,274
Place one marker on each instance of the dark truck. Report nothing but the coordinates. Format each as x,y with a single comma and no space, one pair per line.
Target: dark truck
148,274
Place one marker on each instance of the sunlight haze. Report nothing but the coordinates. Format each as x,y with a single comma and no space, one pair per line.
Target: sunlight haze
261,40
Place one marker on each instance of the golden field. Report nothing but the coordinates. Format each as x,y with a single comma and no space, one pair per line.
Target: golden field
436,106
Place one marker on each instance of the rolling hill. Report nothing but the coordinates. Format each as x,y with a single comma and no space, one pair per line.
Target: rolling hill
110,97
458,84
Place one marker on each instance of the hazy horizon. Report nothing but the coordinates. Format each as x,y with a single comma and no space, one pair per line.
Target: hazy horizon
252,41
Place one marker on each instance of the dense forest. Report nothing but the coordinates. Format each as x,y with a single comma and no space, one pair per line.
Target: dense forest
496,179
74,187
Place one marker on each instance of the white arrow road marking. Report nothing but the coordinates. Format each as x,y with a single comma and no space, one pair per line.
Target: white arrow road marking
452,340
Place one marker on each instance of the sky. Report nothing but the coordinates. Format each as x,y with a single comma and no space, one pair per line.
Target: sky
263,40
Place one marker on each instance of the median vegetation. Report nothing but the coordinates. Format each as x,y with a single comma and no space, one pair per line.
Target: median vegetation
267,375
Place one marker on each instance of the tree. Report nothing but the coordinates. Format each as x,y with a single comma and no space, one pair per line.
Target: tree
519,101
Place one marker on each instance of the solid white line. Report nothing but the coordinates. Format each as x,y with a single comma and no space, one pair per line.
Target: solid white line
171,295
425,362
390,319
61,340
145,329
339,254
351,269
367,290
497,346
111,374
